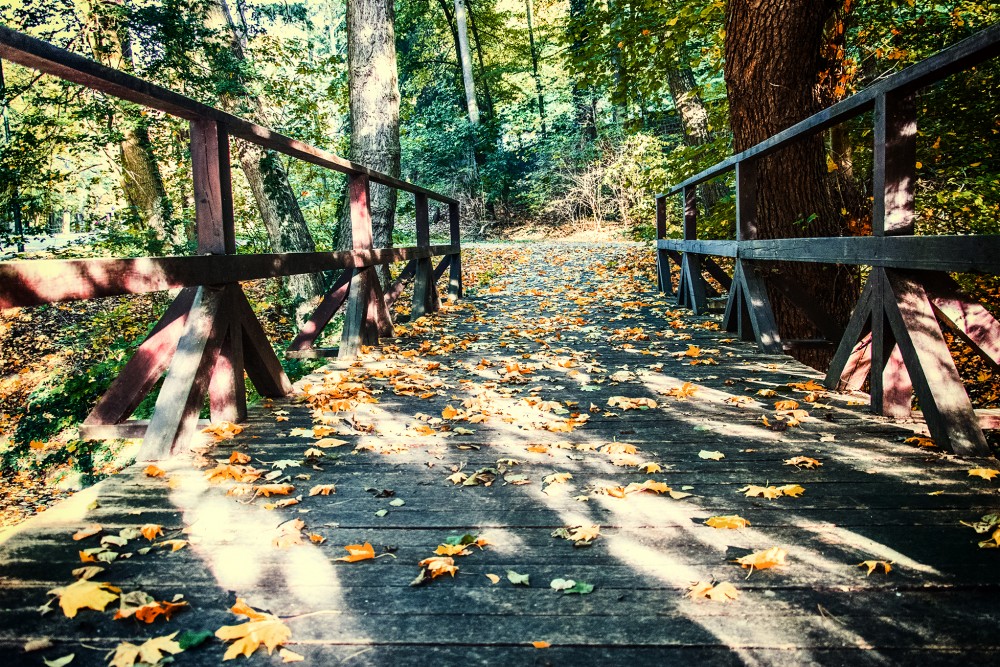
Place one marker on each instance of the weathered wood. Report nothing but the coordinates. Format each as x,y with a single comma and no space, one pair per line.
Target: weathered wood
37,54
952,254
183,392
690,226
455,231
126,430
213,197
262,365
849,366
327,308
48,281
422,282
150,360
662,261
377,316
357,316
758,307
227,392
894,171
969,319
936,382
693,284
404,277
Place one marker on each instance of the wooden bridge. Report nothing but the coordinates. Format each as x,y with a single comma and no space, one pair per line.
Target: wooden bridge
563,467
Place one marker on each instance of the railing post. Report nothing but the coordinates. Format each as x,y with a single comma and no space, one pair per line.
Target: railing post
662,258
455,275
691,288
423,281
356,330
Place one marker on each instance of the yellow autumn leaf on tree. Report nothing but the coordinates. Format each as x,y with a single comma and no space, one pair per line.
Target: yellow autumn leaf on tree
85,594
763,560
985,473
262,628
356,552
729,522
886,566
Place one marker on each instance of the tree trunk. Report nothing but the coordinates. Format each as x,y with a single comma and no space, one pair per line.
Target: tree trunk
772,66
374,103
465,60
534,64
583,99
487,94
687,100
142,182
279,209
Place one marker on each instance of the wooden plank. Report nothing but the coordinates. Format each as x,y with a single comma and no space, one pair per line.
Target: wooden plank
213,198
746,200
894,171
227,392
946,407
357,331
422,284
259,359
378,317
897,398
182,394
717,272
694,284
662,261
731,318
150,360
690,226
327,308
882,339
442,267
951,254
32,283
969,319
758,305
455,289
404,277
126,430
37,54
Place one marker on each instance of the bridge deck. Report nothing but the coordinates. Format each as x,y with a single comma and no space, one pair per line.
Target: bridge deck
531,362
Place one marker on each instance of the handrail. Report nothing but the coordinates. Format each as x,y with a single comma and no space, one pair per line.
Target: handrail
44,57
967,53
210,335
893,340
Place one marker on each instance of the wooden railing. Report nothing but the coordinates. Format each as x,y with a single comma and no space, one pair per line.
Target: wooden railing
209,335
893,338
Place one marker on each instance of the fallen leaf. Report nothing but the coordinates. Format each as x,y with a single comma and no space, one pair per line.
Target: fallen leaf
274,489
326,443
150,652
151,531
714,456
986,473
357,552
786,405
59,662
730,522
154,471
262,628
494,579
92,529
763,560
886,566
721,592
518,579
802,462
290,656
322,490
85,594
541,644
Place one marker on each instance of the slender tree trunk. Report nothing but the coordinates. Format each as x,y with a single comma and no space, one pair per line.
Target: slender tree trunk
142,182
374,103
534,64
279,209
772,65
694,120
487,94
465,60
583,99
15,198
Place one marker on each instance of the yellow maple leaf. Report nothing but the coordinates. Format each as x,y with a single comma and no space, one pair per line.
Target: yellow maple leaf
729,522
767,393
802,462
274,489
584,533
356,552
692,351
150,652
809,386
85,594
151,530
449,412
920,441
322,490
650,468
457,478
557,478
763,560
985,473
452,550
886,566
439,565
239,458
786,405
792,490
721,592
684,391
769,492
262,628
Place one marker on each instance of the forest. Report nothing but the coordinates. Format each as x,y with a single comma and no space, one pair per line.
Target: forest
542,117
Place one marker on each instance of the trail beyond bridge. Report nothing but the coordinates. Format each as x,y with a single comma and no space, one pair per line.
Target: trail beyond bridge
558,448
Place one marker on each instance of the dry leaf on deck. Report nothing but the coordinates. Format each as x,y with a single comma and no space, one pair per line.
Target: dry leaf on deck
886,566
85,594
802,462
730,522
711,455
262,628
985,473
763,560
356,552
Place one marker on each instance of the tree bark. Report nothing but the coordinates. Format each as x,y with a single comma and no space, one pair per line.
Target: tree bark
488,108
279,209
142,183
534,64
686,96
583,99
772,66
465,60
374,105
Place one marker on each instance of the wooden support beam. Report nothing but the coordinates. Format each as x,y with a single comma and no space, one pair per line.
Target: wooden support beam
717,272
849,366
894,157
327,308
662,260
455,289
943,400
693,284
262,365
213,195
227,392
973,323
404,277
183,392
423,284
357,329
442,267
758,309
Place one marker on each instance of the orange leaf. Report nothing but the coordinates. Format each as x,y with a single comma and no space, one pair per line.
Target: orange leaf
985,473
274,489
151,530
786,405
541,644
322,490
92,529
763,560
437,566
356,552
730,522
239,458
154,471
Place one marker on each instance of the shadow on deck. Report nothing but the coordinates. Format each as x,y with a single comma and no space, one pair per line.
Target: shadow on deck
531,363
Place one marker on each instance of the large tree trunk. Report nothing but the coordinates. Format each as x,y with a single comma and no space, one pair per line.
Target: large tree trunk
583,98
279,209
465,60
690,107
534,64
142,182
773,61
374,103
